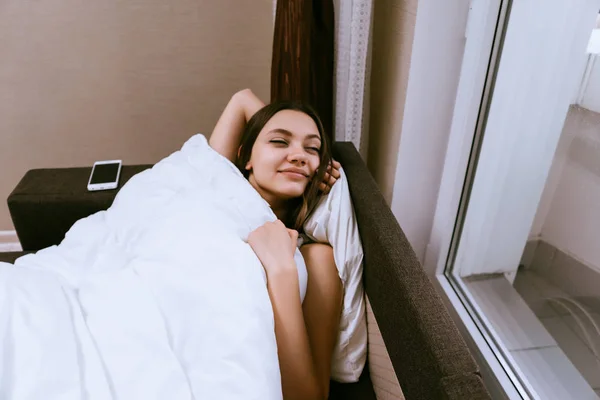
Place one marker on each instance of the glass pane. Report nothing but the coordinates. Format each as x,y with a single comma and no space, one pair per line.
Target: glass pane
526,251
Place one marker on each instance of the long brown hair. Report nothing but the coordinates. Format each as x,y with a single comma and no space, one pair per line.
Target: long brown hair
302,207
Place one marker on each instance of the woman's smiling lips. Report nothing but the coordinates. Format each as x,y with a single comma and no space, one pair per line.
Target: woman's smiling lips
294,173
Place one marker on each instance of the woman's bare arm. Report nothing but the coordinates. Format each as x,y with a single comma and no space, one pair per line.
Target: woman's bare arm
307,332
322,308
299,377
226,135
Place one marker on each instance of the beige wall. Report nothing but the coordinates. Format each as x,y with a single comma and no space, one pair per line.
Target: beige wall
393,33
86,81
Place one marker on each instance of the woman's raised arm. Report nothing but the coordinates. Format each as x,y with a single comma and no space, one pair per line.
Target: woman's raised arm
226,135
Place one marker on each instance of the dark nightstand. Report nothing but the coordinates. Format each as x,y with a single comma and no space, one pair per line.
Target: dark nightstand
47,202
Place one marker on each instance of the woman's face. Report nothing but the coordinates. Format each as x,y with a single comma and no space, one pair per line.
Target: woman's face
285,156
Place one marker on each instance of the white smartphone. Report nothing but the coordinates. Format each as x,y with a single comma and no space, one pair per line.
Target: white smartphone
105,175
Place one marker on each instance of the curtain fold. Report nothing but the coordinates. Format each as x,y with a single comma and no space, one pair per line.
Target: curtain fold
353,42
303,55
322,56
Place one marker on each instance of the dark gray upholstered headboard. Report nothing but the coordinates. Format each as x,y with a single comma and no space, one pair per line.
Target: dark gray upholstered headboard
429,356
47,202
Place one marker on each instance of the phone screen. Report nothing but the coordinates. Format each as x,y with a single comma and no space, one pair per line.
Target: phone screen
104,173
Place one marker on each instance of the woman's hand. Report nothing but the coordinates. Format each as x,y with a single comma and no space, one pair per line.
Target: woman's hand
274,245
331,176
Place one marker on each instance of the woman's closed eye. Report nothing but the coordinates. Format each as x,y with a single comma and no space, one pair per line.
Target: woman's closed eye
283,143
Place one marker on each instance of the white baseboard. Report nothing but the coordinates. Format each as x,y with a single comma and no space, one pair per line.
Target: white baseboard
9,241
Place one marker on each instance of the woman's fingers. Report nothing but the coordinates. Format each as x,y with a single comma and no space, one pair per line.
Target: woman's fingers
334,169
330,178
331,181
331,175
293,237
293,234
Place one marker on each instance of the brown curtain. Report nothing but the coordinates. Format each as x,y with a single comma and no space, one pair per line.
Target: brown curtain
302,63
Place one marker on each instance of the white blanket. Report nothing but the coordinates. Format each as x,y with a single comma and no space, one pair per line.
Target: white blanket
159,297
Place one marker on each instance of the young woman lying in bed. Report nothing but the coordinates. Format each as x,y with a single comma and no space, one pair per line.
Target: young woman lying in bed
284,153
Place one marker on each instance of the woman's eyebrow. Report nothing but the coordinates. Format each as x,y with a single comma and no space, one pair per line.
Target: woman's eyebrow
282,131
288,133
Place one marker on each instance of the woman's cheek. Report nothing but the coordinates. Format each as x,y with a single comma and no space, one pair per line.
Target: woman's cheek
315,167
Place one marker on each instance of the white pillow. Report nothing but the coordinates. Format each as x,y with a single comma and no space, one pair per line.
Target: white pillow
334,222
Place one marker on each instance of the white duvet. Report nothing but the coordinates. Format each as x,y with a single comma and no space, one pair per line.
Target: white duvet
159,297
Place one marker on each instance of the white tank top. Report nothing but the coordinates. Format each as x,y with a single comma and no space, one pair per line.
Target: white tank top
302,273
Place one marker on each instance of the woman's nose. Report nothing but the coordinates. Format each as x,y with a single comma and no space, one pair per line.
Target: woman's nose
297,155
